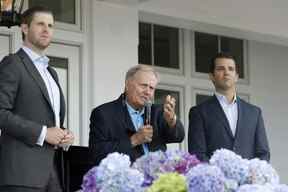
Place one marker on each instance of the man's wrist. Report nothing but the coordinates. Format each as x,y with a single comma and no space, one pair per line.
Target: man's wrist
172,121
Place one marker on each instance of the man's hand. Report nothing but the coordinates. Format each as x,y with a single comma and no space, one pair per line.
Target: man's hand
68,138
54,135
169,110
144,135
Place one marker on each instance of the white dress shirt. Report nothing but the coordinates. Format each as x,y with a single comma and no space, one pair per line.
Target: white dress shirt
230,110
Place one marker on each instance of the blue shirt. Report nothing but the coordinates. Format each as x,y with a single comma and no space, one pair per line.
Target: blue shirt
138,121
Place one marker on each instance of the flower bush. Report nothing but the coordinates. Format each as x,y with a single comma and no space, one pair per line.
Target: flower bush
178,171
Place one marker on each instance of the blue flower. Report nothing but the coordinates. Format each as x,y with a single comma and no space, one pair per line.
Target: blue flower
205,178
114,174
261,172
232,165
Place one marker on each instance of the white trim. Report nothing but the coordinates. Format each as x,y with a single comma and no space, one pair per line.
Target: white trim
181,91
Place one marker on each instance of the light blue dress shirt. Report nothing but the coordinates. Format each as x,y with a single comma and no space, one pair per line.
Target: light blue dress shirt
138,122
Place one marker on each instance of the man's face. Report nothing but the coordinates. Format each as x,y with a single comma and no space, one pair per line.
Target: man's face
39,33
140,88
225,75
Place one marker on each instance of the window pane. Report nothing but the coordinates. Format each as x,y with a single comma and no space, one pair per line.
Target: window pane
160,95
206,47
145,46
166,46
58,62
63,10
235,47
200,98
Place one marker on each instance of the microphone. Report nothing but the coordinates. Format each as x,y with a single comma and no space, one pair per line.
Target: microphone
147,112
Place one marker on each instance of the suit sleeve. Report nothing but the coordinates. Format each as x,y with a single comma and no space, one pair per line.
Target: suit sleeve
103,138
12,124
262,150
171,135
196,135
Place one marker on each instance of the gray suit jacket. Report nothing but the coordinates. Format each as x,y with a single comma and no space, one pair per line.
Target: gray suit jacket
24,108
209,130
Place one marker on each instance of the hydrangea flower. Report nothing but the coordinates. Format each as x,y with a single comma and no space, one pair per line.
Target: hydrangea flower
114,174
90,181
261,172
280,188
156,163
169,182
232,165
205,178
254,188
180,161
150,165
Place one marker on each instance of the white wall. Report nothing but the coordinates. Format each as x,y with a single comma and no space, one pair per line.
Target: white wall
115,40
268,69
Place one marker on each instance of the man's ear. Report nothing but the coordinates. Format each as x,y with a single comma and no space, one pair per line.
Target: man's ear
24,28
236,78
211,77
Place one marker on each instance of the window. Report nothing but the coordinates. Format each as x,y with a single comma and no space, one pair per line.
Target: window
160,95
158,45
208,45
63,10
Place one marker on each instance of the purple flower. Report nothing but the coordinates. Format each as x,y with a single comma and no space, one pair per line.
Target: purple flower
205,178
89,181
113,174
156,163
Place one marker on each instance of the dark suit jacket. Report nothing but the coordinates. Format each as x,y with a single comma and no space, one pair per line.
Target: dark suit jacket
209,130
24,108
111,128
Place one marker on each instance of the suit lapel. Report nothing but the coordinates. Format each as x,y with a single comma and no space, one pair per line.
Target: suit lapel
219,113
35,74
240,117
62,100
124,115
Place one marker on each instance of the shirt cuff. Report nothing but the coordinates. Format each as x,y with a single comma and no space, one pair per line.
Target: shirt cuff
42,136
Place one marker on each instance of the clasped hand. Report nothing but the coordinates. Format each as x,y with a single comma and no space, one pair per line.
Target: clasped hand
58,136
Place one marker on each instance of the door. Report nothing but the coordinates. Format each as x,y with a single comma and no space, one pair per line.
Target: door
64,58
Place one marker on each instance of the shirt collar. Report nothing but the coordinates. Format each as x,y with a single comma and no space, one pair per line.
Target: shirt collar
35,57
132,111
223,98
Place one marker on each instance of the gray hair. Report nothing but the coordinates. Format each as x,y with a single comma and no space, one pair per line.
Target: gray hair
133,70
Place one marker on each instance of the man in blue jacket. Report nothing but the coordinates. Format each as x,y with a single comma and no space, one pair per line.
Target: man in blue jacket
225,120
119,126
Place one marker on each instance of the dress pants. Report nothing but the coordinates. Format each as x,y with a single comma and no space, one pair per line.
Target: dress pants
53,185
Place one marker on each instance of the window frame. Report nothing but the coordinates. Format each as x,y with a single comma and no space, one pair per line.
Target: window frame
180,70
201,75
78,26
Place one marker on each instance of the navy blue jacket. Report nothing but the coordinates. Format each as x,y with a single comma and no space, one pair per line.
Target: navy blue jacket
209,130
111,128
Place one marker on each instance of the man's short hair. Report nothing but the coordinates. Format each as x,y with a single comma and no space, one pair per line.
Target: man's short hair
221,55
133,70
28,15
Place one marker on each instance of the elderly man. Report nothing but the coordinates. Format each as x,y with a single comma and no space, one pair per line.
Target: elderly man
119,125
